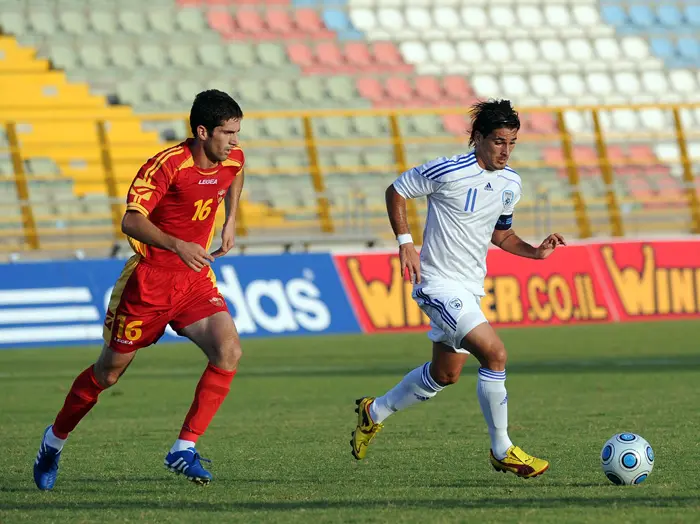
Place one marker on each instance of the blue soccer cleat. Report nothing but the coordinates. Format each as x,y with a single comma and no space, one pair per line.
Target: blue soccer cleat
189,464
46,465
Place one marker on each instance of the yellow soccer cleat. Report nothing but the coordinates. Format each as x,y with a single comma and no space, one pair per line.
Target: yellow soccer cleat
366,428
518,462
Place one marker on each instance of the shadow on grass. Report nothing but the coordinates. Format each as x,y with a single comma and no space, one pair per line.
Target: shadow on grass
675,501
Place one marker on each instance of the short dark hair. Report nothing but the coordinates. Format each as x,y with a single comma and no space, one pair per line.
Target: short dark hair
212,108
491,115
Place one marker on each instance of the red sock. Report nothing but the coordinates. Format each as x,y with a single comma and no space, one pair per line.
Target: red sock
209,395
80,399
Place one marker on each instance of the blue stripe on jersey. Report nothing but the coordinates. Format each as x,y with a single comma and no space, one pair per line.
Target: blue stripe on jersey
509,169
511,180
445,171
471,199
449,162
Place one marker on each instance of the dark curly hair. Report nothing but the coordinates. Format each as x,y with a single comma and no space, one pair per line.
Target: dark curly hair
211,109
491,115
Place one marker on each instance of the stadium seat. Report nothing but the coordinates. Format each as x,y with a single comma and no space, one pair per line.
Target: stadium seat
131,22
524,51
330,57
614,15
692,15
669,16
557,16
502,17
552,50
271,55
586,15
689,48
387,55
371,89
497,51
341,89
399,91
363,19
309,22
457,89
663,48
92,56
301,54
607,49
580,50
474,18
249,23
222,22
414,52
642,16
280,22
358,56
429,90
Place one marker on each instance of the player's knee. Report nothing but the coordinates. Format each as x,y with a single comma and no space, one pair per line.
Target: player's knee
447,377
496,356
229,354
107,377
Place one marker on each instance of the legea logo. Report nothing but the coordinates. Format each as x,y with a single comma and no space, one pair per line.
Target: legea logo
273,305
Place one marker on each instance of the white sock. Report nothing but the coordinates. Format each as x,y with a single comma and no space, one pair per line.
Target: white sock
493,398
417,386
53,441
181,445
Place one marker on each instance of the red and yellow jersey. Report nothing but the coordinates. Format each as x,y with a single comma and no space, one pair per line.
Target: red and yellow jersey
180,198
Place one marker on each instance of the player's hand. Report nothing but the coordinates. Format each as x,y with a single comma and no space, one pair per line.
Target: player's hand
228,236
549,244
410,260
193,255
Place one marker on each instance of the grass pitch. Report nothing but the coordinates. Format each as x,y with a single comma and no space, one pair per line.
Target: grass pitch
280,447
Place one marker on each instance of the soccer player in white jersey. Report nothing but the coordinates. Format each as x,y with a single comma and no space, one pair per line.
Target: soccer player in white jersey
471,199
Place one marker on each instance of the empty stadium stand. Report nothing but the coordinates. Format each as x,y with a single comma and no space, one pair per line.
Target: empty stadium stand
355,60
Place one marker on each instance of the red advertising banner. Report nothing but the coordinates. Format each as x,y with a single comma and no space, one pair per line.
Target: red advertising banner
606,282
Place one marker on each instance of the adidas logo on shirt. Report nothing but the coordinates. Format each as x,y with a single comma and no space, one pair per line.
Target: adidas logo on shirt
488,187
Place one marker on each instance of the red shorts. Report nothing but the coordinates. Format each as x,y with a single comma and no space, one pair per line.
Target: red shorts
147,298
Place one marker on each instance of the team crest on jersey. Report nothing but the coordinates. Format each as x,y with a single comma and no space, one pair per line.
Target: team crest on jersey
220,195
507,197
455,303
217,301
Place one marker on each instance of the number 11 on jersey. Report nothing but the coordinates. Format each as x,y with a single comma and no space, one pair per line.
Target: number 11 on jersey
471,199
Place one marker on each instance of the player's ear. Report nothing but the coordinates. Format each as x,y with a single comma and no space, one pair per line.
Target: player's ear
202,133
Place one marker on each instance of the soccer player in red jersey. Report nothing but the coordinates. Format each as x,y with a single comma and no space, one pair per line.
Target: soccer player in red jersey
170,221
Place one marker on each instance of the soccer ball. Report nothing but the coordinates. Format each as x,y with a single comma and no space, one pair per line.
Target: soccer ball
627,459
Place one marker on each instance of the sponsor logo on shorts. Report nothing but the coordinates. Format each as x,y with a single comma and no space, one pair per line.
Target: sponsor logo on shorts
455,303
217,301
208,181
122,341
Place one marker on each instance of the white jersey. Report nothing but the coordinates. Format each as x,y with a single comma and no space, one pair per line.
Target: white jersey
465,204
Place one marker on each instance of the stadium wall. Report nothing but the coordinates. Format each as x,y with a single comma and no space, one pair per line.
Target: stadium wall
63,303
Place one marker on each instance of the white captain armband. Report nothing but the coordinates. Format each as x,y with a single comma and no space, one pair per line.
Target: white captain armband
504,222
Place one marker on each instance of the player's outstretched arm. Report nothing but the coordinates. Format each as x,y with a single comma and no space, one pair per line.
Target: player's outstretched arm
139,227
509,241
396,208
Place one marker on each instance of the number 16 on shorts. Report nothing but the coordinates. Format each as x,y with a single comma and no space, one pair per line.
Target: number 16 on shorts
127,332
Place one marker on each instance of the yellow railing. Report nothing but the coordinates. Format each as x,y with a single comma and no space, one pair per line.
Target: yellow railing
606,214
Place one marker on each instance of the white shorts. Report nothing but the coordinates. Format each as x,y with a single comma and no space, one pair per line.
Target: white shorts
452,314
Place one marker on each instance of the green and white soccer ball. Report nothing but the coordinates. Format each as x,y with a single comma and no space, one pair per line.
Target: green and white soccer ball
627,459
